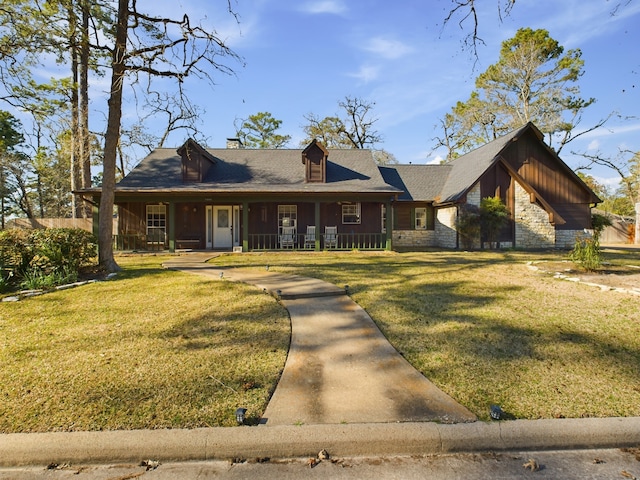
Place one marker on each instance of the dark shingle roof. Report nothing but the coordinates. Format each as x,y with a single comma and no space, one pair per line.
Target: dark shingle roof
420,183
468,168
449,182
258,171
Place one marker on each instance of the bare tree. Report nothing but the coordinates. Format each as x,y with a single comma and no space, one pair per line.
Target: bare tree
148,47
466,11
355,129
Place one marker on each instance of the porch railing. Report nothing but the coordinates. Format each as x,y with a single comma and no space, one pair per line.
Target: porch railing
265,241
342,241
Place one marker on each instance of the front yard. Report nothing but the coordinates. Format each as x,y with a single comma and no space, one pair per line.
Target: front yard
158,349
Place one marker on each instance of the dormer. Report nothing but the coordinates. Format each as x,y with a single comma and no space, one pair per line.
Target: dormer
196,161
314,157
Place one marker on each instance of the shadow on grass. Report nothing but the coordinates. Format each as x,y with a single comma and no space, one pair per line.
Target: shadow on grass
453,305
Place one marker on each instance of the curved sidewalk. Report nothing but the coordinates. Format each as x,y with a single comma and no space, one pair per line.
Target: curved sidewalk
340,368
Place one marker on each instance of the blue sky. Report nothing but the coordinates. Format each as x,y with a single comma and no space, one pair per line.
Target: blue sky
304,56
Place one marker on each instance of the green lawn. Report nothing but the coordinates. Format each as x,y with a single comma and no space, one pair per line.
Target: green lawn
152,349
487,330
156,348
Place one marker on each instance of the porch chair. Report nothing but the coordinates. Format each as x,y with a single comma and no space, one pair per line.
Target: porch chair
330,237
310,237
287,238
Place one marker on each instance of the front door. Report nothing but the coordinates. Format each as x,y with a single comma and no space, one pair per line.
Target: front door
222,227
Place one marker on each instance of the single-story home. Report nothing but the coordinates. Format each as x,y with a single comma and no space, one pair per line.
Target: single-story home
317,198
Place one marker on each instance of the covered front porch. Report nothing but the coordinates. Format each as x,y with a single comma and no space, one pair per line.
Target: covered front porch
252,225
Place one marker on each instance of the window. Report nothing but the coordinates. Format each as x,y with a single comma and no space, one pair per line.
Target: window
383,218
351,213
287,216
421,218
156,223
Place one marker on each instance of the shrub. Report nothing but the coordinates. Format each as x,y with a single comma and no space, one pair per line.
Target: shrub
493,216
468,225
599,223
586,251
35,279
44,258
60,249
16,250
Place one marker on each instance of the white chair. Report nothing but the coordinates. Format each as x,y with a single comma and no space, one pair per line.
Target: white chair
330,237
287,237
310,237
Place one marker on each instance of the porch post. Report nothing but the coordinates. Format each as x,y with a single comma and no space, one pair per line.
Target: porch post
245,226
389,226
317,223
172,227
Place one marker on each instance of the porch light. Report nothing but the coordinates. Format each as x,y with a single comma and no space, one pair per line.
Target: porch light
240,412
496,412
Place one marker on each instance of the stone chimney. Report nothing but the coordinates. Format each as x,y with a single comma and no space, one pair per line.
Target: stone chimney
234,143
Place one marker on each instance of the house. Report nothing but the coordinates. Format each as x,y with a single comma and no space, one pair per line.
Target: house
318,198
248,199
549,205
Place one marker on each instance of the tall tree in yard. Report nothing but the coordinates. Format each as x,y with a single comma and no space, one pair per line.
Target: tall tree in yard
149,47
534,80
118,69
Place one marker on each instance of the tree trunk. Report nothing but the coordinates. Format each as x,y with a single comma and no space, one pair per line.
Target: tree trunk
75,143
85,147
105,245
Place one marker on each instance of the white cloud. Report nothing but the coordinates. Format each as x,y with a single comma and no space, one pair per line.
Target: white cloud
335,7
593,145
609,130
366,74
386,48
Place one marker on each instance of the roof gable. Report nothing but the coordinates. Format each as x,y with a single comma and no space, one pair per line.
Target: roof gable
196,161
449,183
314,158
467,169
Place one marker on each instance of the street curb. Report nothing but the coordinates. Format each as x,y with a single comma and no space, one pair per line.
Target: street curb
373,439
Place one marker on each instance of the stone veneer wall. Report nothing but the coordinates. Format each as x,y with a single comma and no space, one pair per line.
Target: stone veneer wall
567,238
473,196
445,232
533,229
414,238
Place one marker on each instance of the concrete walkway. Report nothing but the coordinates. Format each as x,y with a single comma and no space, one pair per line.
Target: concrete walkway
340,368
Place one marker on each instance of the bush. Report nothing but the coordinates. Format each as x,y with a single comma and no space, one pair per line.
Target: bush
586,252
15,250
599,223
468,225
62,249
35,279
44,258
493,216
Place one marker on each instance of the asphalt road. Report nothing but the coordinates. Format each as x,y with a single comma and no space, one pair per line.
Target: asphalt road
563,464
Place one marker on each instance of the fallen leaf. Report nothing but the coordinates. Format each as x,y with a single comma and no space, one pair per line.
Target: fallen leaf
532,464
